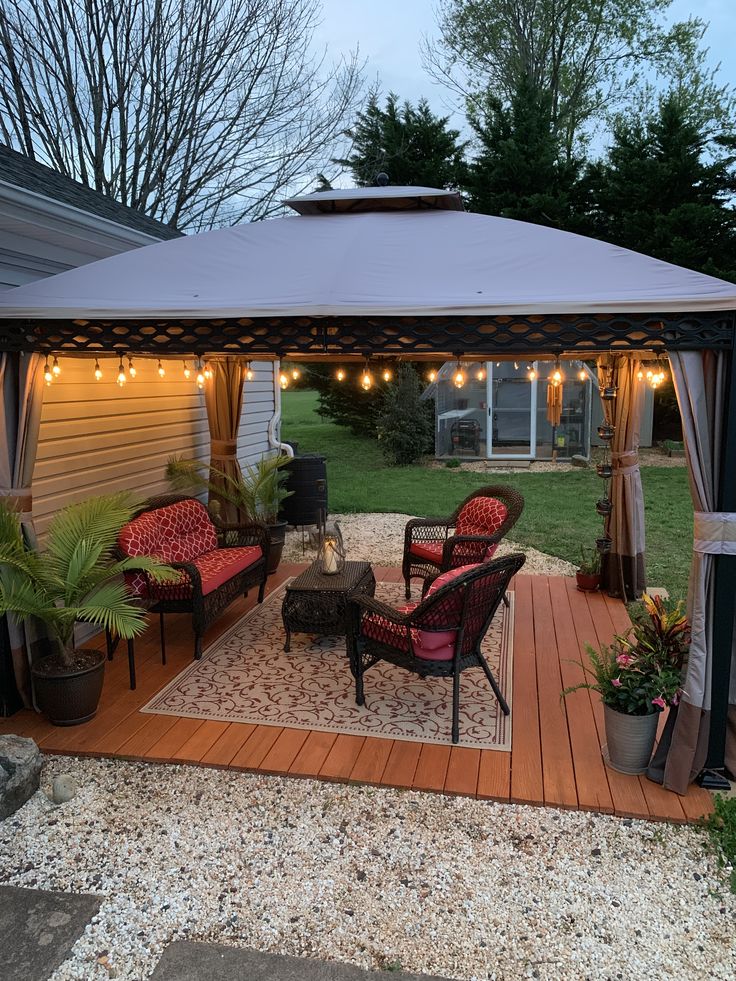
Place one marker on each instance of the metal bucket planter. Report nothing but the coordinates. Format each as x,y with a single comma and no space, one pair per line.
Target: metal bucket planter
629,740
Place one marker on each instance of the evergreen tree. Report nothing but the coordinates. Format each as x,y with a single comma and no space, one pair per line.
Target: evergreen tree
405,422
409,143
520,171
666,190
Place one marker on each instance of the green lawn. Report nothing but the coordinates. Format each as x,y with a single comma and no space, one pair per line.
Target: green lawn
558,516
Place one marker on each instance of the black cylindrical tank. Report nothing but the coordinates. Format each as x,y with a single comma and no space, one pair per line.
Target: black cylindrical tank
307,478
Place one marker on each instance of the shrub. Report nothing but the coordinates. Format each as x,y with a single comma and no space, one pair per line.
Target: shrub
405,424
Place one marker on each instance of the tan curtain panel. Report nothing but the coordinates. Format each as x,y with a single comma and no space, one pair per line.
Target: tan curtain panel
700,385
623,572
21,385
224,401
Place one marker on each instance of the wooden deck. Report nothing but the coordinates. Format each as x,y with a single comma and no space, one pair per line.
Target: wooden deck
555,758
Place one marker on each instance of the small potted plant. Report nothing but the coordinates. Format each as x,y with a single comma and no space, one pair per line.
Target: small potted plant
258,495
76,579
588,575
637,677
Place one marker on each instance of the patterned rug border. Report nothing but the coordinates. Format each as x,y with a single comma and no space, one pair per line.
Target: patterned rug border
507,653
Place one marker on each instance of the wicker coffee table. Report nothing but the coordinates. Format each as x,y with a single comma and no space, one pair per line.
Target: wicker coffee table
317,604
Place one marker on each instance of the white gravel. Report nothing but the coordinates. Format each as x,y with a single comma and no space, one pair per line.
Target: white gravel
446,885
379,538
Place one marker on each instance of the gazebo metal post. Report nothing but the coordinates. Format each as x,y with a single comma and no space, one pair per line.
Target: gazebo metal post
724,603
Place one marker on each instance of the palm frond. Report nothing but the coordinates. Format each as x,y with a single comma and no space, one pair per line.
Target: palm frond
23,600
110,607
98,519
10,530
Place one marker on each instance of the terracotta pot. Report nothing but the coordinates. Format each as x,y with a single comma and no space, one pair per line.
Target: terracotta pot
629,740
588,582
69,697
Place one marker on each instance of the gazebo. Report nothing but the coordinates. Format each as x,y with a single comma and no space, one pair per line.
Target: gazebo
396,272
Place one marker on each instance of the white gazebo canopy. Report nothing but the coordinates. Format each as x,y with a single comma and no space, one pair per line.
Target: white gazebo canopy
371,252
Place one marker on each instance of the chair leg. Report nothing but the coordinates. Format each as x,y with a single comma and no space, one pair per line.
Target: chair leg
506,601
494,684
131,663
456,706
261,590
359,692
407,588
163,637
108,643
197,647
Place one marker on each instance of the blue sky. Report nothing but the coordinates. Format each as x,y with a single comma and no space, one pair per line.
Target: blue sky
389,34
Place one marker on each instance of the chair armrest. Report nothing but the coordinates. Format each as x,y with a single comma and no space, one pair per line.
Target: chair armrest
191,570
368,604
242,534
455,542
425,530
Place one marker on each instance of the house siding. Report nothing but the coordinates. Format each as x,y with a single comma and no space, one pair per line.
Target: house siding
97,438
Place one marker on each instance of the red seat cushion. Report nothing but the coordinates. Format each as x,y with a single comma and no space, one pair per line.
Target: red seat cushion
215,568
431,551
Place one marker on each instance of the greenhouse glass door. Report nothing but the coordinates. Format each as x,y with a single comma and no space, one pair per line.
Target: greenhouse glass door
512,413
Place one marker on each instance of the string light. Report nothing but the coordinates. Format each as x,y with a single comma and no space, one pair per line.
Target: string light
432,376
121,379
47,376
56,370
187,371
516,365
481,374
131,367
387,376
582,374
340,374
640,374
283,380
557,375
161,370
531,372
200,376
295,374
208,371
366,379
249,372
98,370
458,379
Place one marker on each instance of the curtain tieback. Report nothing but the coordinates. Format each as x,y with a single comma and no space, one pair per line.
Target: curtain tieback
715,533
18,499
223,449
625,463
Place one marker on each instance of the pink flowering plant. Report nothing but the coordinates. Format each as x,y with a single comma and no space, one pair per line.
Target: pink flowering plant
641,671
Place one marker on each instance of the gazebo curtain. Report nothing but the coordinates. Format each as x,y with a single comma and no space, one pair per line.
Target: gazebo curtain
623,573
700,385
224,401
21,398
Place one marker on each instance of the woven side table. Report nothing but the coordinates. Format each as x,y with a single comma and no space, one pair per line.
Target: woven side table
317,604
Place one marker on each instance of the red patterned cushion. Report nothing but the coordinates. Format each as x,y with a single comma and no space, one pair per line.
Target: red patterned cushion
432,551
481,516
439,645
215,569
385,631
175,533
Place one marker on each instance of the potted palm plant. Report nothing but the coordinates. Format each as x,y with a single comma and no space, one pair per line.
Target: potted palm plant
77,578
258,495
588,575
637,677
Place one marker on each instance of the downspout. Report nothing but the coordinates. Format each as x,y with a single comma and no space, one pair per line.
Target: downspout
274,422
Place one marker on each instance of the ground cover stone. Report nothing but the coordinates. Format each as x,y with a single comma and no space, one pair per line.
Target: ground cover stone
20,769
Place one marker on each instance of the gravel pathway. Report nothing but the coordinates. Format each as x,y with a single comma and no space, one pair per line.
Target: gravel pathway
444,885
379,538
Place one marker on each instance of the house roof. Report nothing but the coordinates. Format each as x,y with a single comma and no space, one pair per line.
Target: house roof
21,171
417,263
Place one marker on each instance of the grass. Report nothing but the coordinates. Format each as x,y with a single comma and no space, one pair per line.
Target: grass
559,514
722,828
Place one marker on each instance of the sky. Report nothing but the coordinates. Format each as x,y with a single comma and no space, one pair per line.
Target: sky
389,33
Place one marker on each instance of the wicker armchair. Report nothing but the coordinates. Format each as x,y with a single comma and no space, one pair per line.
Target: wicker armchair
470,535
217,562
439,637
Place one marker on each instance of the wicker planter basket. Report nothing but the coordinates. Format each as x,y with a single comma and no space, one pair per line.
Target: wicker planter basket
70,698
629,740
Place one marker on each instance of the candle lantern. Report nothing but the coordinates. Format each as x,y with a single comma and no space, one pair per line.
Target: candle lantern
331,554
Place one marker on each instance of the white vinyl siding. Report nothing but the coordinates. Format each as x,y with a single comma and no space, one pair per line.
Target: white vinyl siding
96,437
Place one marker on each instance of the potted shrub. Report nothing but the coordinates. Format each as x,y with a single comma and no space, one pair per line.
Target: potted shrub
258,495
588,575
76,579
637,677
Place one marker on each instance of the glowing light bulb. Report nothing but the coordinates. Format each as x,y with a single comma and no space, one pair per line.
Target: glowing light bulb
387,375
458,379
249,373
582,374
131,368
187,371
366,380
532,374
121,379
557,376
640,375
161,369
55,369
432,376
98,370
207,371
47,376
340,374
481,374
295,374
283,380
516,365
200,379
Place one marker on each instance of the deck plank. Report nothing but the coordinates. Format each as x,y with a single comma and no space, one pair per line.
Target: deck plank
313,753
281,755
222,752
402,764
200,741
462,771
526,760
372,759
663,804
494,775
255,748
173,739
432,767
340,760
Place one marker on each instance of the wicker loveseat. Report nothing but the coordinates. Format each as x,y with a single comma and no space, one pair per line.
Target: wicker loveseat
216,562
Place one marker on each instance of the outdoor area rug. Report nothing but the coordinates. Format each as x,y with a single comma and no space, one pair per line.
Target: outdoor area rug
245,676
